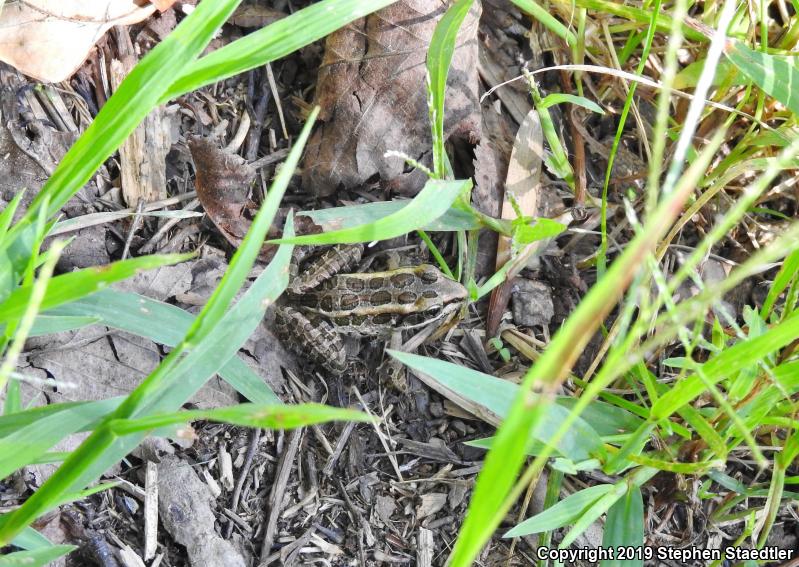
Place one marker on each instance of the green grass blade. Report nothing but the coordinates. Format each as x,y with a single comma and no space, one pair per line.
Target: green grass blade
432,202
69,287
37,557
603,504
49,324
278,416
561,514
582,442
135,314
720,367
439,58
31,539
776,75
548,20
624,527
336,218
13,422
560,98
7,215
21,447
272,42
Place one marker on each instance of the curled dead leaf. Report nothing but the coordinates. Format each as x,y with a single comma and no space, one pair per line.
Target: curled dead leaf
223,183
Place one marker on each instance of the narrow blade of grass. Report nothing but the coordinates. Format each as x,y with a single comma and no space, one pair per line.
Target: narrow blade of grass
272,42
74,285
278,416
776,75
432,202
561,514
439,59
36,557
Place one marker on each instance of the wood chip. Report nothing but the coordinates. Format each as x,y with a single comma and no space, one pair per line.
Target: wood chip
150,510
142,155
432,502
424,553
225,468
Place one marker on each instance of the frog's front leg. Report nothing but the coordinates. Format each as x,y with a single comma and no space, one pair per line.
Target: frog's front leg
315,340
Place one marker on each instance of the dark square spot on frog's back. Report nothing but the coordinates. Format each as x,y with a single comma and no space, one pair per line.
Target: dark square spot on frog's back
402,280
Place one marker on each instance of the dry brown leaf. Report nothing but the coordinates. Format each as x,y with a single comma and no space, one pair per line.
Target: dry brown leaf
521,185
223,184
372,90
49,39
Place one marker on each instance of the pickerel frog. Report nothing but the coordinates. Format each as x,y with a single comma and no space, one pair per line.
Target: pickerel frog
321,303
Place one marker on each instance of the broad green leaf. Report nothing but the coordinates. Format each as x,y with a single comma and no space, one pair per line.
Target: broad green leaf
277,416
581,443
635,479
432,202
624,527
31,539
135,314
439,58
560,98
37,557
271,42
74,285
776,75
49,324
525,233
561,514
725,71
347,217
732,360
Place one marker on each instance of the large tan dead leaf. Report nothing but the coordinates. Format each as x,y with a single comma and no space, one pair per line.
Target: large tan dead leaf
49,39
372,90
